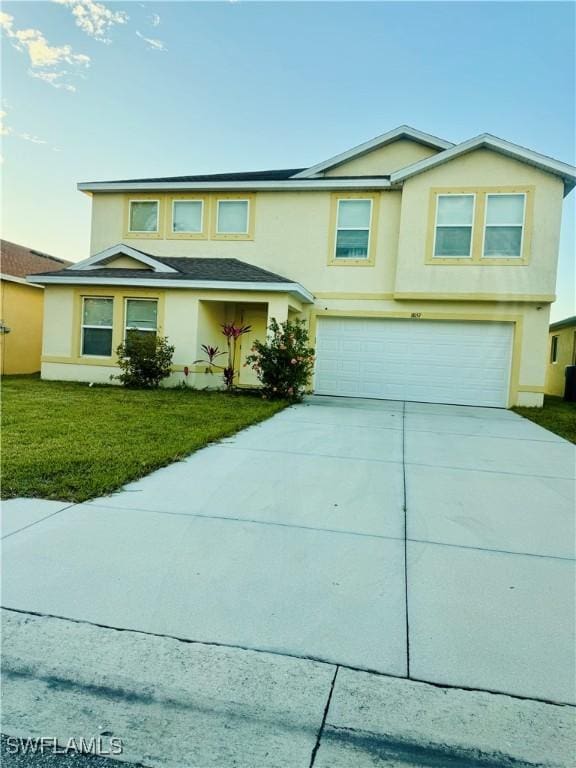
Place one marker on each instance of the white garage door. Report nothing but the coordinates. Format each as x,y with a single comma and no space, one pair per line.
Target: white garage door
429,361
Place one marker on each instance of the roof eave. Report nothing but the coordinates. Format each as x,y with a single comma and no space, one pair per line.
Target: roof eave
295,289
271,186
516,152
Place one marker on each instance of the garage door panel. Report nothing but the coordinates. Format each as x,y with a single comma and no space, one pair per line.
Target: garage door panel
465,363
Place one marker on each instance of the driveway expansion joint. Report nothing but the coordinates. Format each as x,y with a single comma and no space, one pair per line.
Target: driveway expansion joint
324,716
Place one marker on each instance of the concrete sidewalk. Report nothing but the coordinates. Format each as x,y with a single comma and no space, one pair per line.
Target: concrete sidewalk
427,541
178,704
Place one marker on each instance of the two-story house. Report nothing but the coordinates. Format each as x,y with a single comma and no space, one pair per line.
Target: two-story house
425,269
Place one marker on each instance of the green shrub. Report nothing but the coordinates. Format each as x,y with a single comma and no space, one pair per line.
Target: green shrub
283,362
145,359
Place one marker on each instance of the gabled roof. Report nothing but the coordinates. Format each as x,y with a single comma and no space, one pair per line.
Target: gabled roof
566,323
487,141
103,257
402,132
19,261
298,179
173,272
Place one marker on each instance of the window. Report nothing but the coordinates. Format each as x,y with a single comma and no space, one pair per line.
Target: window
143,216
353,229
97,326
504,225
232,217
187,216
454,222
554,349
141,318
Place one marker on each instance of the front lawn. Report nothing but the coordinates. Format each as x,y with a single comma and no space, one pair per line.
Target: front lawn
557,415
72,442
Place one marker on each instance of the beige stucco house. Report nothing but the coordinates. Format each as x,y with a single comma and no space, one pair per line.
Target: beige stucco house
561,353
425,269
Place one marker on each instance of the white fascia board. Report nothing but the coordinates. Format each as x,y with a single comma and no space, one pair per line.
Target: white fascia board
122,250
230,186
20,280
210,285
567,172
403,131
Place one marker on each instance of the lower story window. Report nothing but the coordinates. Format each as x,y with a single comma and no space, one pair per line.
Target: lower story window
97,326
141,318
554,349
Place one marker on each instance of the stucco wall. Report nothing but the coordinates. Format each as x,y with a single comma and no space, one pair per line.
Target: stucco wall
291,239
21,311
566,351
479,169
292,235
190,319
385,160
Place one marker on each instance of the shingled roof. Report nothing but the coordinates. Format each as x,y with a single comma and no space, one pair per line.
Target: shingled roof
279,175
19,261
187,269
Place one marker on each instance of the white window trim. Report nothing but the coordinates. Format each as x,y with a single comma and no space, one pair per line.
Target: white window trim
486,225
235,200
106,327
135,327
455,226
187,231
353,229
144,231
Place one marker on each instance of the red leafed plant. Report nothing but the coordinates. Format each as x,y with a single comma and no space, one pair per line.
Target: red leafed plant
232,333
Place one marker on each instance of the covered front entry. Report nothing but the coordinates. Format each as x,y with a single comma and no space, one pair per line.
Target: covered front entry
430,361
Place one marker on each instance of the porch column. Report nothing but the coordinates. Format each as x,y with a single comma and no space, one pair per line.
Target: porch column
278,308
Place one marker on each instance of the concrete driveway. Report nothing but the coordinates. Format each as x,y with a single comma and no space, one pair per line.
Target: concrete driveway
409,539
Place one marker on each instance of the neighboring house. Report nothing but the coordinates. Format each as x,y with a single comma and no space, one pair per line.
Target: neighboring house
21,306
426,269
561,352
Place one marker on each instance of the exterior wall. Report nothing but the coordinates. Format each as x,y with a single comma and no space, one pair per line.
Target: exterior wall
21,311
566,355
191,318
293,232
187,318
383,161
291,239
482,168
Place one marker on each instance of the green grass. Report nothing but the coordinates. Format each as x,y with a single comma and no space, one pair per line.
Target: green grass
557,415
73,442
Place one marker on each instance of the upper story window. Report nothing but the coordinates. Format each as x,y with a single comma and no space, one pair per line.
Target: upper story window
353,229
141,318
97,314
504,226
187,216
454,223
480,226
143,216
232,217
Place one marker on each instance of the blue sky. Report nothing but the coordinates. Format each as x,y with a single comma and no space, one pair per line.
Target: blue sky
118,90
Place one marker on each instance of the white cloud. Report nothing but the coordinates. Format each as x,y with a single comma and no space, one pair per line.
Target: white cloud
54,79
93,18
46,60
152,44
6,130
